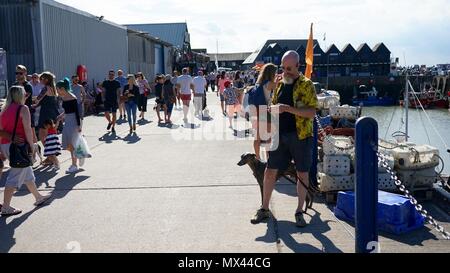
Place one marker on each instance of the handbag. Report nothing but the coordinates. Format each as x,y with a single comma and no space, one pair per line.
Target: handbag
19,154
123,99
146,92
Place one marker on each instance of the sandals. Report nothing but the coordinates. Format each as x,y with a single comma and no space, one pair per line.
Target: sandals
10,211
300,220
42,201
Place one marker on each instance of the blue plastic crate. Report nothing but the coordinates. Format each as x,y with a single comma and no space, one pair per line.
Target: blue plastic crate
326,121
395,213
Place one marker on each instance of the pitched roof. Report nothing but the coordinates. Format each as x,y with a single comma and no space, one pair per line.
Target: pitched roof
362,46
348,47
227,57
290,44
332,48
173,33
380,46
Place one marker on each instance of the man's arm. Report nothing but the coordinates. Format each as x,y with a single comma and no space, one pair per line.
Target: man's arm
305,111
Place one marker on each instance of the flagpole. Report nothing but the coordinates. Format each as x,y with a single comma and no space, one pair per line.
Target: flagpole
217,53
328,60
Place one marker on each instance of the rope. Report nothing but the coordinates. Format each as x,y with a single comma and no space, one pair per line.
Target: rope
429,119
390,123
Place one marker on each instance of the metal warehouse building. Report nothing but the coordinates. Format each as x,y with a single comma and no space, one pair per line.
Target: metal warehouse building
148,54
45,35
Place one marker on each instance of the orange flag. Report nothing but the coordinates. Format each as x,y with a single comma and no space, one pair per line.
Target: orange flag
309,54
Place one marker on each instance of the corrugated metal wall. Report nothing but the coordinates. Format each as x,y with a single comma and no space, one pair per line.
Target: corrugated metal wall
71,39
159,59
16,35
141,55
168,55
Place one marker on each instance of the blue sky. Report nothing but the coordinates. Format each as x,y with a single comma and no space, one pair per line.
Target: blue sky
418,30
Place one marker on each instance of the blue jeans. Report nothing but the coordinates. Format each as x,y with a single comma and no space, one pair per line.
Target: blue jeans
131,108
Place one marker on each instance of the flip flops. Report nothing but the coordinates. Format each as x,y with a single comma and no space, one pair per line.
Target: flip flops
10,212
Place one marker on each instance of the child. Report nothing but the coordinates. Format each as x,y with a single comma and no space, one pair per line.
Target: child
231,101
52,145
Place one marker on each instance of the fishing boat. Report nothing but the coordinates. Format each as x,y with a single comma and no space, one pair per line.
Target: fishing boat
371,98
434,95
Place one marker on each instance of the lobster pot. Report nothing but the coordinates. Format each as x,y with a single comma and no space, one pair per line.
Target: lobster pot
324,112
329,147
345,111
416,157
326,102
330,183
336,165
386,183
320,167
390,160
418,178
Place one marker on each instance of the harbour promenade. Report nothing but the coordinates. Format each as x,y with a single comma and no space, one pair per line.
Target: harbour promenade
177,190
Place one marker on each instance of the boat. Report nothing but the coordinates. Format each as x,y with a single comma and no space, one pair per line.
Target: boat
370,98
434,95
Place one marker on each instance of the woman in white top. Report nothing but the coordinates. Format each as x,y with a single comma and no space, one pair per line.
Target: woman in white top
144,91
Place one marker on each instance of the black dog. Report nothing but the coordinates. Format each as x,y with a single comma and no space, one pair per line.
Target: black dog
290,174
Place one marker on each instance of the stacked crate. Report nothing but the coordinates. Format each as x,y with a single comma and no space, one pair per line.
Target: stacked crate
335,172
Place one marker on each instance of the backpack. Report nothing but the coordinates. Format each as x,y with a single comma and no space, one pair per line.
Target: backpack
256,96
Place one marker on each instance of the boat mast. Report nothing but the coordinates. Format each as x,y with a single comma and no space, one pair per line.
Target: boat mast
407,106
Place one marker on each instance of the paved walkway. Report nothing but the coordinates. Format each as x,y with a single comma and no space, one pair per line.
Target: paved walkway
167,190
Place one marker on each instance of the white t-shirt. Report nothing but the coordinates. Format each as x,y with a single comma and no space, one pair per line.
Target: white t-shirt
199,84
185,82
37,89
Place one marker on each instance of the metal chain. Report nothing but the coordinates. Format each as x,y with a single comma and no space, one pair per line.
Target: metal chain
429,219
327,138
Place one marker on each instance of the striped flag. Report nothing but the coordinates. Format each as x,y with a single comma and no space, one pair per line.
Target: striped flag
309,56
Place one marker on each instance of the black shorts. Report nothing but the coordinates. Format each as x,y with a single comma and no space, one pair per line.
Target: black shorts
160,102
290,147
111,106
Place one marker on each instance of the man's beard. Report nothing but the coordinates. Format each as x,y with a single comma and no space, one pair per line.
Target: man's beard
288,80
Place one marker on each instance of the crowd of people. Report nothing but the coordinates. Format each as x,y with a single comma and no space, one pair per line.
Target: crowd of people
36,110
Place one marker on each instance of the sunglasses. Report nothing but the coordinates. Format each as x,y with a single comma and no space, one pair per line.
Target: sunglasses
288,69
20,73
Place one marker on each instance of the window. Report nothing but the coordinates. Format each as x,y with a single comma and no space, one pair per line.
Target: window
267,59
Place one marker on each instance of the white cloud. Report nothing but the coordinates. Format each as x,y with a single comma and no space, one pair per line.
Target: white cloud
420,29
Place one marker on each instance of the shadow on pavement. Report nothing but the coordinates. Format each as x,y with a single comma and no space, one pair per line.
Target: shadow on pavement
109,138
143,122
121,121
242,133
62,187
190,126
132,138
284,231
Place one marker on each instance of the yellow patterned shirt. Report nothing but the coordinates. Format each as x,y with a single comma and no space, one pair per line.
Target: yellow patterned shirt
304,96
